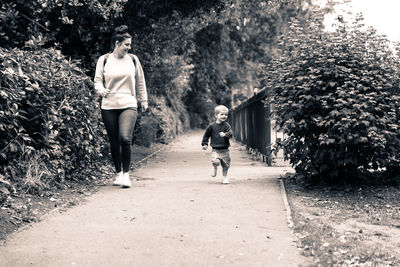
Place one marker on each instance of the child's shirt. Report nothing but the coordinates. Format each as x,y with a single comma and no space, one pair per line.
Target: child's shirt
213,131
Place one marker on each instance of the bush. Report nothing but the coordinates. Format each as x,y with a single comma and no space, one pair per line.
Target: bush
336,98
167,116
161,123
48,112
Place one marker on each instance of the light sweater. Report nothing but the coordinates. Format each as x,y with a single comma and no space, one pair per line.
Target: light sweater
124,80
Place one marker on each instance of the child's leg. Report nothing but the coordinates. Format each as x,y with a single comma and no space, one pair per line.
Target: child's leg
214,171
225,163
215,163
225,179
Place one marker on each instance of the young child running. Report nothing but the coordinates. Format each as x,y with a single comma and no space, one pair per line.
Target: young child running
220,132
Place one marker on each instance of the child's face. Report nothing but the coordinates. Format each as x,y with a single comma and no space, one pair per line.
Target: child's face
222,116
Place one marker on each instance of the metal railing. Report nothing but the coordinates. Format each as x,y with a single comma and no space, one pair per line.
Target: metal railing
251,126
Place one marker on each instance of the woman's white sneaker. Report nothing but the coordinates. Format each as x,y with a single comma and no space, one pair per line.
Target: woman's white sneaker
126,182
118,179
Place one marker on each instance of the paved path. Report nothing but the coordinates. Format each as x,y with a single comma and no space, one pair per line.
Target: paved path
175,214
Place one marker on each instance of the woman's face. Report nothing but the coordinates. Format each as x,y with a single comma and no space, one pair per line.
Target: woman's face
124,46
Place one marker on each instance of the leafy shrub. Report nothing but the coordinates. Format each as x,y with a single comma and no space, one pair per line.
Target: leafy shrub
48,111
336,98
161,123
145,130
167,115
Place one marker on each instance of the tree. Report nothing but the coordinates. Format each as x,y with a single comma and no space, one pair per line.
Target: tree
230,50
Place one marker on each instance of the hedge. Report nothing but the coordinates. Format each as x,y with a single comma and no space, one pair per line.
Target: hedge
49,118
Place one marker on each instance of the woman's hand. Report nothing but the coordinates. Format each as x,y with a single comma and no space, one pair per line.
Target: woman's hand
104,92
144,105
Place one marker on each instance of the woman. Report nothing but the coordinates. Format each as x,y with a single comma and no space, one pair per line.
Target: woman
119,79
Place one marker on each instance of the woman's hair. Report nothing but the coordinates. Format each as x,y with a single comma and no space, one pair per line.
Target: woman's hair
120,34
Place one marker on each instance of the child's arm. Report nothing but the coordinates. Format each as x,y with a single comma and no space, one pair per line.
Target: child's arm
206,136
227,132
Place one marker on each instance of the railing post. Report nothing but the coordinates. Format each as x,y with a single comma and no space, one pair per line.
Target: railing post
268,135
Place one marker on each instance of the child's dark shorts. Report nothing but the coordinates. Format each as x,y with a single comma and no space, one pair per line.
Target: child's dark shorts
221,156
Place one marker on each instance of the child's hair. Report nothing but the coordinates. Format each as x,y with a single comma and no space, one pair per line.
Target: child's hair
220,108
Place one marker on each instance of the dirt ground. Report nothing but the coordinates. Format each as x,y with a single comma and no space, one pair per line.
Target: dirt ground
347,225
175,214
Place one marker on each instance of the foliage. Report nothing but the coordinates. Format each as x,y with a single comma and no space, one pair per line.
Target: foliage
79,26
161,123
167,79
336,98
84,29
221,61
167,71
230,49
37,175
49,113
167,116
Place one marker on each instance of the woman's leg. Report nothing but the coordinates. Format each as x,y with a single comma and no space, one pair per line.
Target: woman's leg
127,121
110,119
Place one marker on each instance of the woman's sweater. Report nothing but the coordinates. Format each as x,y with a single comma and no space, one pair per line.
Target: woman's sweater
123,78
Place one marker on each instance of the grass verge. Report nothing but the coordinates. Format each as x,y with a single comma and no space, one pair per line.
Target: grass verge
346,225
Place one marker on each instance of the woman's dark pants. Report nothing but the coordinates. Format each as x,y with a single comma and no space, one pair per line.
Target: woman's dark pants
119,125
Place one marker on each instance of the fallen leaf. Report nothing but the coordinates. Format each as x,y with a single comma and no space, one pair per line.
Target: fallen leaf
4,190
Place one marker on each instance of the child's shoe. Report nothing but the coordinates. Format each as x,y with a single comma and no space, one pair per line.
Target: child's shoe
214,172
126,182
225,180
118,179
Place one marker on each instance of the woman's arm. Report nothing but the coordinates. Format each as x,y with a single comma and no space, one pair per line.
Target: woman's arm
99,77
141,88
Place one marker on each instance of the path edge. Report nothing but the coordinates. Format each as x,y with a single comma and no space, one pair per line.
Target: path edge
286,204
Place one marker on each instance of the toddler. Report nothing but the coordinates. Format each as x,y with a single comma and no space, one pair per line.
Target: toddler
220,132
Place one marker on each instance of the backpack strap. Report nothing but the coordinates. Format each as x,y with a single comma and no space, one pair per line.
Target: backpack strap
134,61
134,58
105,59
108,54
104,63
